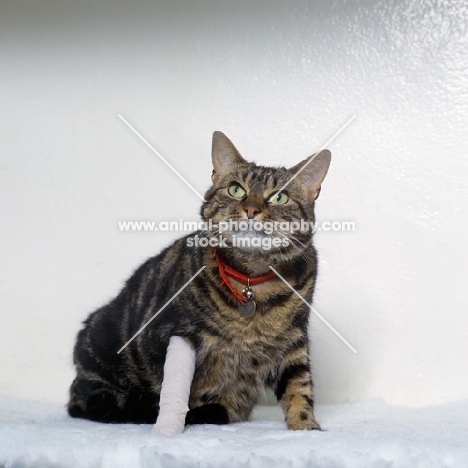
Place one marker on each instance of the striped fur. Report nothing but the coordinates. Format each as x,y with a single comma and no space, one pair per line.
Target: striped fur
236,357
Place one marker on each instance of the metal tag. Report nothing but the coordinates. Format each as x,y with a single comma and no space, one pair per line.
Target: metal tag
247,309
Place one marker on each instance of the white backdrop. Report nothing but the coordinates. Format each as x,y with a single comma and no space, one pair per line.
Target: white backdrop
279,79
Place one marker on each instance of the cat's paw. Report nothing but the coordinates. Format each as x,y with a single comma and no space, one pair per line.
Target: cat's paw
303,421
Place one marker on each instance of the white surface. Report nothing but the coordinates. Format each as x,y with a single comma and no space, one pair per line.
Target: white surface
279,78
368,434
175,391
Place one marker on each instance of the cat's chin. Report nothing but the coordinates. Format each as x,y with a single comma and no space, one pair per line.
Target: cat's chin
254,241
257,261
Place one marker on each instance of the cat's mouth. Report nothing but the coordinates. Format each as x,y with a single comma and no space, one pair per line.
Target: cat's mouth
248,234
249,227
251,234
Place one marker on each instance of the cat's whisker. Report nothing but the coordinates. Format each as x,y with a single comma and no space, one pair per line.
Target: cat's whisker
294,239
297,240
290,241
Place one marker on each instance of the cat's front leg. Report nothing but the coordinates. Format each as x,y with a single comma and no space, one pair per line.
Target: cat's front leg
179,368
295,392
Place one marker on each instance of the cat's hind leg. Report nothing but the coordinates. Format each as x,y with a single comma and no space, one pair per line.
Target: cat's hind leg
98,401
92,400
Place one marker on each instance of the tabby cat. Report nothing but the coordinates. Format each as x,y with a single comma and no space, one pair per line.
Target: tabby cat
239,352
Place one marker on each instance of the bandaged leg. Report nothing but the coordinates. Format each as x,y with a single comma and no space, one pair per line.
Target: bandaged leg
179,368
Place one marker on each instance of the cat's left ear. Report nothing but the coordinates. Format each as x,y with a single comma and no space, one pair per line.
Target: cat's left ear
312,172
224,155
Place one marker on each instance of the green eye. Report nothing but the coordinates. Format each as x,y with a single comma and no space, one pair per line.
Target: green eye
279,199
236,191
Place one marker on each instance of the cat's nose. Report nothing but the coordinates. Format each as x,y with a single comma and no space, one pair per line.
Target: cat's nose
251,211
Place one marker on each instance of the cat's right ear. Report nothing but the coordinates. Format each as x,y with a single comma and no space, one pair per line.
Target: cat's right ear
224,155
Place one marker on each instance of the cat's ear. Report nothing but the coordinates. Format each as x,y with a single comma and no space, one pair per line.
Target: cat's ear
312,171
224,155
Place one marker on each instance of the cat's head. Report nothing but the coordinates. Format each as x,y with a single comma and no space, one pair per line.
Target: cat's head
260,204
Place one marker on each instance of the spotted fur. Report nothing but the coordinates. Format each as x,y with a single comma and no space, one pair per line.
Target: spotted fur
236,357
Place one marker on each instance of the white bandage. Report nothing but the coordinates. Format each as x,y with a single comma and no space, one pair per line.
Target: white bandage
179,368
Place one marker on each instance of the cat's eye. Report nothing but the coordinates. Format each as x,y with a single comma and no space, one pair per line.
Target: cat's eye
279,199
236,191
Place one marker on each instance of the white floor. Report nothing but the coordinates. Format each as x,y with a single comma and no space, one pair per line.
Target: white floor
362,434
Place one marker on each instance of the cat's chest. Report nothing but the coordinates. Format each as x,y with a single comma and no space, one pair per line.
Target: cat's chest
268,326
248,338
228,359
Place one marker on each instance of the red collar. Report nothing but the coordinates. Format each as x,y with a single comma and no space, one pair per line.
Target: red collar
226,271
